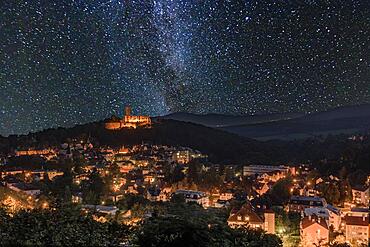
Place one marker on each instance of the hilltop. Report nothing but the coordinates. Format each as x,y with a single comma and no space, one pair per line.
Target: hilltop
221,146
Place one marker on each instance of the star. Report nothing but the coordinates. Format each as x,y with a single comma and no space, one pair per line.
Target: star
68,62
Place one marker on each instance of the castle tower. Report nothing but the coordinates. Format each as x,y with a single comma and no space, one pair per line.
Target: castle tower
127,110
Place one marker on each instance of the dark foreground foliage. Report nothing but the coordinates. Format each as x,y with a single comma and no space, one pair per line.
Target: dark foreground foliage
65,227
68,227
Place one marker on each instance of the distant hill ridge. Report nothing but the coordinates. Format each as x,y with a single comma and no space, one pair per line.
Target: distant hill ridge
221,120
348,119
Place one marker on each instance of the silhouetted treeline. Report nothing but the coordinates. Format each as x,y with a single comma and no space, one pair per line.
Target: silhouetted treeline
329,154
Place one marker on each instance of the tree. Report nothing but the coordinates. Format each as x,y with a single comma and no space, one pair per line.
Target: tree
211,179
178,198
343,172
114,170
177,174
194,171
280,191
129,200
193,232
357,178
170,231
312,176
331,193
78,163
93,188
345,191
59,185
61,227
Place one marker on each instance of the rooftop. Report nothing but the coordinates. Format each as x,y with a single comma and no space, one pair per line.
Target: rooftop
306,198
310,220
356,220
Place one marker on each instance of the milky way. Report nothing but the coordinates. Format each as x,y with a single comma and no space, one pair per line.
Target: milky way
66,62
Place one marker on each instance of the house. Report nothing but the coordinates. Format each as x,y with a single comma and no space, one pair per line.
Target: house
126,167
321,212
247,216
299,203
314,231
181,156
225,196
309,192
330,213
25,188
335,218
115,197
221,204
261,188
100,213
360,195
280,171
194,196
77,197
165,194
49,173
149,178
357,228
109,210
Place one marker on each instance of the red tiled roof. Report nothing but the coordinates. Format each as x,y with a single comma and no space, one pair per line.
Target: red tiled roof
308,221
356,220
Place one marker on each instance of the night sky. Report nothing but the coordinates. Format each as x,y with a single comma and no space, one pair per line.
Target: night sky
66,62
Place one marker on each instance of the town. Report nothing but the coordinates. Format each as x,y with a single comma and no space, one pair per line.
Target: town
131,183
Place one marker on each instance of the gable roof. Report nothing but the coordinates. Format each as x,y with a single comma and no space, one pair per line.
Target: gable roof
246,211
360,188
309,221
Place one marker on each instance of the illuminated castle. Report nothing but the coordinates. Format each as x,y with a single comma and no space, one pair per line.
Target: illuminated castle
128,121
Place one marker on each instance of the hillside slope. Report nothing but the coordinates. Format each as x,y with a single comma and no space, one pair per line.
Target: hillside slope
221,146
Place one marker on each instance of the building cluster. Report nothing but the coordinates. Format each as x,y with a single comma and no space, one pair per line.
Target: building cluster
144,170
320,219
266,176
140,169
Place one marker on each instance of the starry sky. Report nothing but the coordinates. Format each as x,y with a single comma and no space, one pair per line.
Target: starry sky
74,61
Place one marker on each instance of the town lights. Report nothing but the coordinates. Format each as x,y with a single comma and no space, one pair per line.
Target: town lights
116,187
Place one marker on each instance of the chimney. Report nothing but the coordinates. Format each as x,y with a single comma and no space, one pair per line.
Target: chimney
309,217
363,218
318,220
